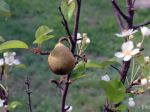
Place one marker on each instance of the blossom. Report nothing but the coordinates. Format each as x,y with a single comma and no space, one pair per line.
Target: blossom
145,31
127,51
69,108
147,59
131,102
79,38
105,78
144,81
9,58
139,45
1,103
126,33
1,61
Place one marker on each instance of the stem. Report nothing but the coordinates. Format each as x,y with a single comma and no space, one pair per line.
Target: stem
28,91
141,25
74,38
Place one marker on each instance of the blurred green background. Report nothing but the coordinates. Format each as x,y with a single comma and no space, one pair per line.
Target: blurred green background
97,21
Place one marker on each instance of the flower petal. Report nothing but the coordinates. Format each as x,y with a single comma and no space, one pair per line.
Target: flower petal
127,46
118,35
135,51
119,55
127,58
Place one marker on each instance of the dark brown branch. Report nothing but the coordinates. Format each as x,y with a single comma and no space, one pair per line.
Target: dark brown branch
65,24
28,91
118,18
74,38
119,10
141,25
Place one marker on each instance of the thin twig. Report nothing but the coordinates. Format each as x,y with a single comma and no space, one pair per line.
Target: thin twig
65,24
28,91
38,51
119,10
141,25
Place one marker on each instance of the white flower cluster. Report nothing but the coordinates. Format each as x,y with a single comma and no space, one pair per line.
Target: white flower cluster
128,50
131,102
9,59
83,38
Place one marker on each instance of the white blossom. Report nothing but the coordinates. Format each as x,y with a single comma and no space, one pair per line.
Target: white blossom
69,108
9,58
105,78
144,81
79,38
145,31
147,59
1,61
139,45
127,51
87,41
1,103
126,33
131,102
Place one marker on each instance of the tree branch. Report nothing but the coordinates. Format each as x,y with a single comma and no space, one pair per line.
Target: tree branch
28,91
119,10
65,24
38,51
74,39
141,25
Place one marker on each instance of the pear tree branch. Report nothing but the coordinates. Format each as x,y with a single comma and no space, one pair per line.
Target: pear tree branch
74,39
141,25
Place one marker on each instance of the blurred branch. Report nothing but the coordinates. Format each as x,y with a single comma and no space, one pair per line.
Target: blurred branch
38,51
141,25
28,91
119,10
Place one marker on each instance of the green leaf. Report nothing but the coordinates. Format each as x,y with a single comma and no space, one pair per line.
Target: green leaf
72,6
14,105
67,9
41,39
114,90
4,8
79,71
121,108
42,34
92,64
64,8
43,31
2,39
13,44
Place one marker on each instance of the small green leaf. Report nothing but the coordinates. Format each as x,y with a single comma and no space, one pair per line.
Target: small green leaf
43,31
42,34
14,105
72,6
92,64
4,8
121,108
79,71
114,90
41,39
68,9
13,44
